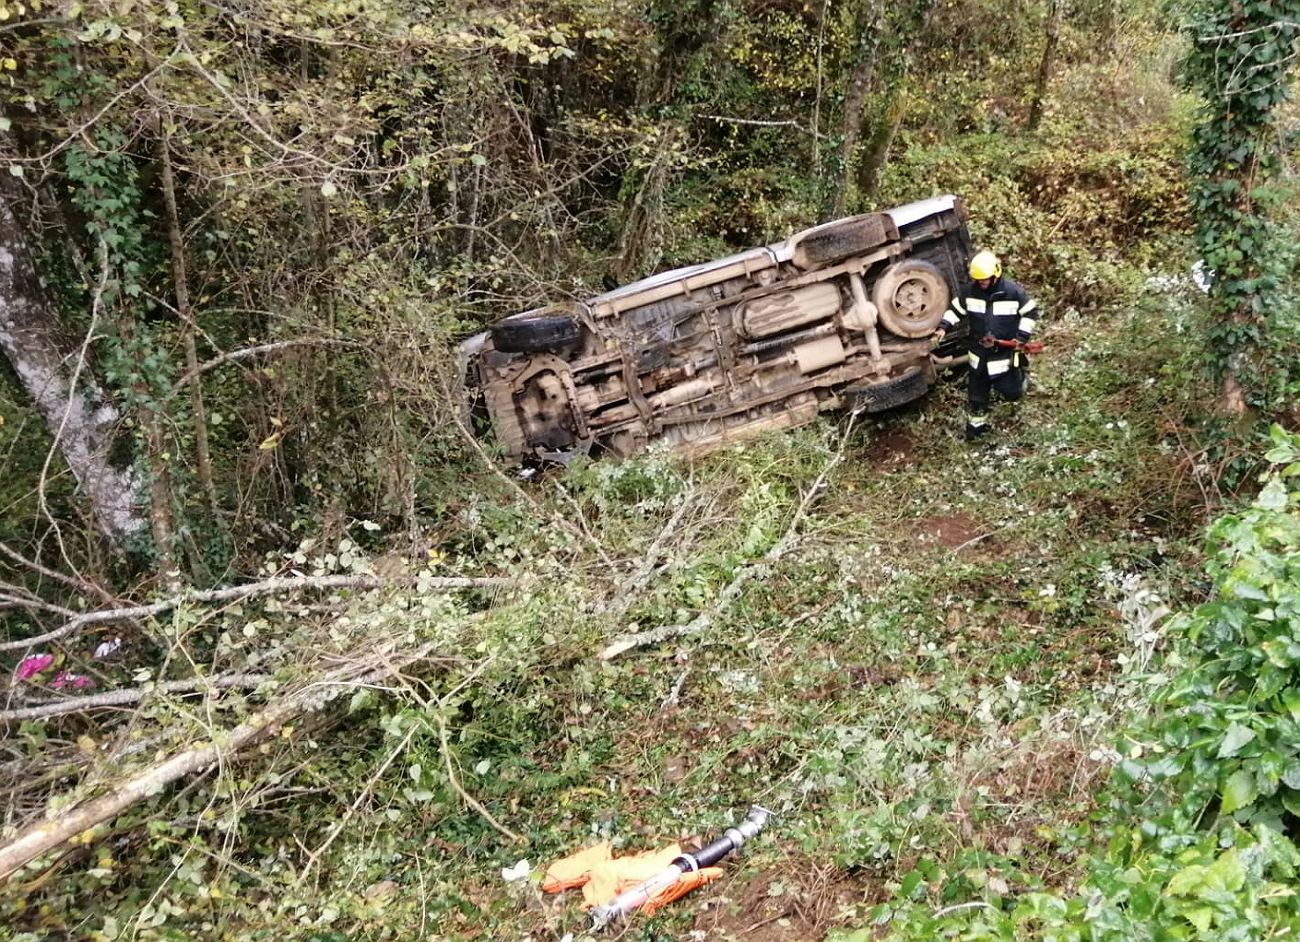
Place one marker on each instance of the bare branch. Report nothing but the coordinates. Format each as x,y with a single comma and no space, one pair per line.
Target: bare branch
115,698
704,620
466,796
48,834
81,585
276,586
337,829
789,123
260,350
94,119
26,600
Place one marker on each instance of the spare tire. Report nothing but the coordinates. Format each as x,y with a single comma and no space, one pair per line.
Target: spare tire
911,296
533,333
833,241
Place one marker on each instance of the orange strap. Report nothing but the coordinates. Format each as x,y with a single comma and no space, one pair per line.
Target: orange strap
688,882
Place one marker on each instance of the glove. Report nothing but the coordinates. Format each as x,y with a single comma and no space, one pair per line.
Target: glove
936,338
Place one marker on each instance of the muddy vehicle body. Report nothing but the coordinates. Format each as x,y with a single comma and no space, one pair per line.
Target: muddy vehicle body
838,316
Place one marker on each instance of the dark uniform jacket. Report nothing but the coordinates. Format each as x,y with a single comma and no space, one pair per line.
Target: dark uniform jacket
1004,310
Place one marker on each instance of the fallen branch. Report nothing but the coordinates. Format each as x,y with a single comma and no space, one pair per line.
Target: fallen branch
337,829
37,839
274,586
704,620
114,698
466,796
245,353
622,599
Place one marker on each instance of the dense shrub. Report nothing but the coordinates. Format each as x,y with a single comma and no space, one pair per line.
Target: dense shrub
1196,838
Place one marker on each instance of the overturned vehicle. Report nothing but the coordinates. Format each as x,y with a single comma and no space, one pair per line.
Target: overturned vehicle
838,316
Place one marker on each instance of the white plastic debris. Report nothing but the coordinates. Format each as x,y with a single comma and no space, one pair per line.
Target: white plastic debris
107,648
516,873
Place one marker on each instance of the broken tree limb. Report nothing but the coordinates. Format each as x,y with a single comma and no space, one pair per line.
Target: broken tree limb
623,598
275,586
37,839
116,698
233,356
703,621
466,796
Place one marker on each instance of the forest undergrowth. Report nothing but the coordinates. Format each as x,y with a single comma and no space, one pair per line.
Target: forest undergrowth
339,674
914,651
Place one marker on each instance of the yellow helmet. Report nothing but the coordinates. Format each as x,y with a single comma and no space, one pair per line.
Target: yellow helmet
985,265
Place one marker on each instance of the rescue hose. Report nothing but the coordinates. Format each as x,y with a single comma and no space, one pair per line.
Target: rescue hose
631,900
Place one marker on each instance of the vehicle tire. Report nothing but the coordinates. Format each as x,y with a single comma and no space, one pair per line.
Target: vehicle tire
533,333
894,392
911,296
825,244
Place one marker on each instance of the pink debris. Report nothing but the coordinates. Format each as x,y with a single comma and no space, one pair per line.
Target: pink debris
30,666
74,681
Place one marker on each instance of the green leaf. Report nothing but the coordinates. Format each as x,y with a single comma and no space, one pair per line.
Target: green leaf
1236,737
1273,496
1186,882
910,884
1227,873
1291,801
1239,791
1200,917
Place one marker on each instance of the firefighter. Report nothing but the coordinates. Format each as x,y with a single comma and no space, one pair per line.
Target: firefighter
997,309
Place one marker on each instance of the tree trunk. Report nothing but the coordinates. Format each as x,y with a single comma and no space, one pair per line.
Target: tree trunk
888,66
854,104
1056,10
77,412
882,139
202,451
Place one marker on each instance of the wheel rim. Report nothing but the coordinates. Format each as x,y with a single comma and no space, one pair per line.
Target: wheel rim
912,299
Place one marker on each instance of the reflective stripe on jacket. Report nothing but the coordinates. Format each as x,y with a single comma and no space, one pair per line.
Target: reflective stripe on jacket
1005,310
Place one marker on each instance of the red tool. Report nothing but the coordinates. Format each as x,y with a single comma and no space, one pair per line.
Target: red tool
1024,346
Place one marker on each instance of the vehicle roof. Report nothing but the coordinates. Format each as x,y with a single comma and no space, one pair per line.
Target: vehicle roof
756,259
692,277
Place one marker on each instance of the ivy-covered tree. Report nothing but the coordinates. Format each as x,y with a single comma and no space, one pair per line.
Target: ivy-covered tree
1242,55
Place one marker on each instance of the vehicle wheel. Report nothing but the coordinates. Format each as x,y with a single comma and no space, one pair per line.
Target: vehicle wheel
533,333
912,296
834,241
894,392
